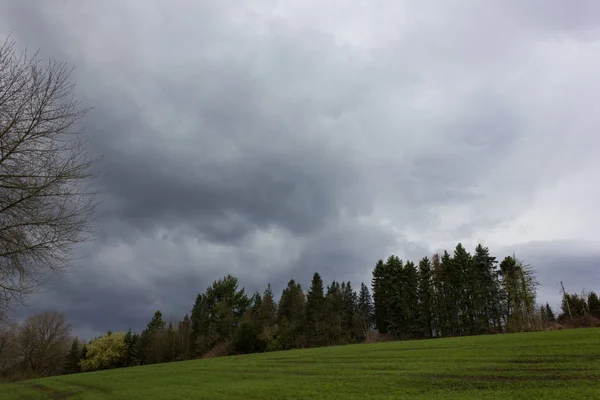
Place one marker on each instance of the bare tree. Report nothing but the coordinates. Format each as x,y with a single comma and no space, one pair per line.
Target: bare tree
44,341
46,202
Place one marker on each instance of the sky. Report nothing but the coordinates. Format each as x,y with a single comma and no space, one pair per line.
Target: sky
274,139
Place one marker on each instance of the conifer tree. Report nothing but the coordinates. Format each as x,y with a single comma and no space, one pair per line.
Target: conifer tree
333,314
485,290
184,334
72,363
127,359
399,311
365,311
426,298
291,307
381,287
463,287
593,304
440,297
267,318
549,313
452,297
315,299
412,300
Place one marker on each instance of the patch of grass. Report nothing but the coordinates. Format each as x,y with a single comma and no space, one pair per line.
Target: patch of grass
541,365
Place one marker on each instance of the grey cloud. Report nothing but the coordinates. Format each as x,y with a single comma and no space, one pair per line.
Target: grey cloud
269,148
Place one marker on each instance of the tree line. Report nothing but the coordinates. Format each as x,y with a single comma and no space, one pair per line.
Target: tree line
445,295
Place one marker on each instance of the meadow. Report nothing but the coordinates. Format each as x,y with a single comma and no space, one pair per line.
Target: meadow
538,365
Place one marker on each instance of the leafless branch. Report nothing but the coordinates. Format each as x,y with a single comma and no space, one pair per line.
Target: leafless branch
46,201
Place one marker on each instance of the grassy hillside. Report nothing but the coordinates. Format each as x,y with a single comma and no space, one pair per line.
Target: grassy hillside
541,365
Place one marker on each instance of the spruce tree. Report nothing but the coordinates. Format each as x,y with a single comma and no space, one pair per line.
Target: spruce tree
463,288
426,298
315,299
365,311
381,287
549,313
412,300
333,330
267,319
450,324
74,358
397,306
485,289
198,323
440,297
348,312
593,304
127,359
291,306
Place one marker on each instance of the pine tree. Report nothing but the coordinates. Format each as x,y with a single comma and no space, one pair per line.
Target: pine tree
549,313
365,311
315,299
426,298
333,329
412,300
149,348
593,304
198,323
74,358
184,334
128,348
267,319
440,297
463,287
485,290
291,306
399,311
381,287
83,352
348,311
135,349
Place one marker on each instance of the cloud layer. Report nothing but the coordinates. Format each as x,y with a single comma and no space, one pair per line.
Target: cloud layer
272,140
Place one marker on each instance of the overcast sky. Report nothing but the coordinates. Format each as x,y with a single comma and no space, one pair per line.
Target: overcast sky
273,139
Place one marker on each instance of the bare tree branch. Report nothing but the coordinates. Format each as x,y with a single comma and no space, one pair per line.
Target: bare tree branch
46,201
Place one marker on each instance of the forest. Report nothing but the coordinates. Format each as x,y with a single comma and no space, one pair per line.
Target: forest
454,294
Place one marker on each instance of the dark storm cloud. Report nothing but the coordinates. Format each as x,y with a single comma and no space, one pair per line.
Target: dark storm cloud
273,142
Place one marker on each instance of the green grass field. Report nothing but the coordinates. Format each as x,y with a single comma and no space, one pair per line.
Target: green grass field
541,365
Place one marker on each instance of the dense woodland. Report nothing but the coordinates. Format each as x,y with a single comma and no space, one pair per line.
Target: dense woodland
446,295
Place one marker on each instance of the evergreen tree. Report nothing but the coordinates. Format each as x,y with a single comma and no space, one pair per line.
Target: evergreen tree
315,299
128,348
464,319
440,297
593,304
399,311
73,359
333,330
412,300
485,290
291,306
267,318
381,287
83,352
350,324
365,311
149,346
549,313
184,334
426,298
135,350
198,323
450,324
